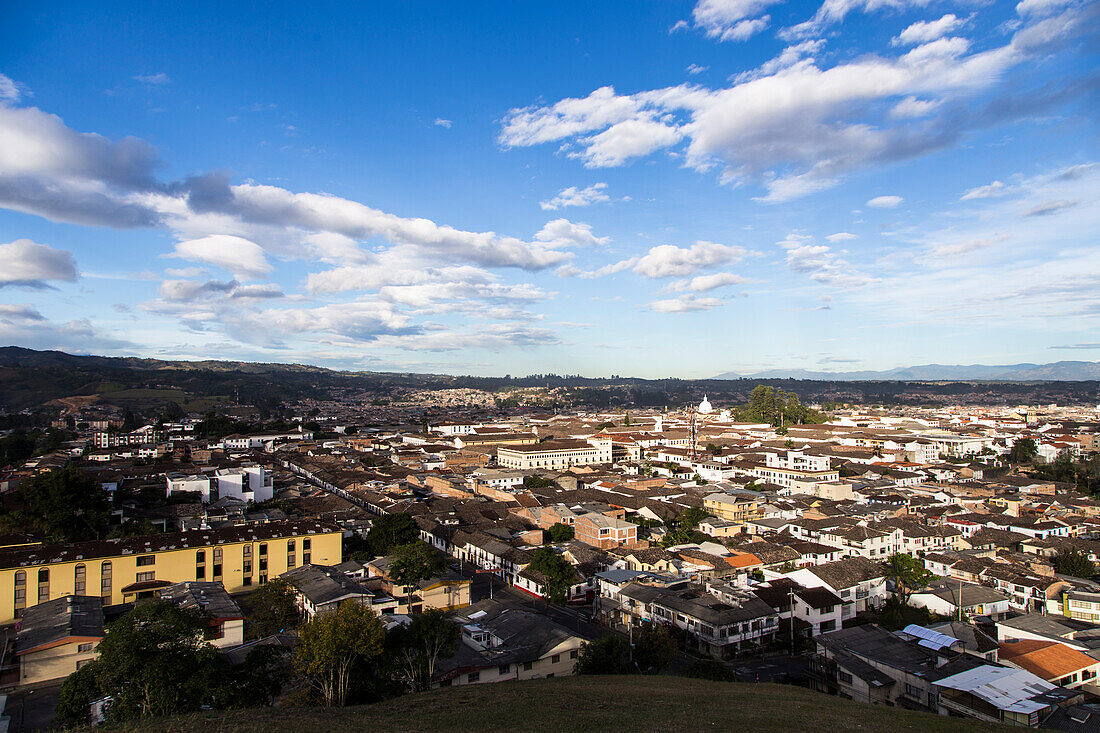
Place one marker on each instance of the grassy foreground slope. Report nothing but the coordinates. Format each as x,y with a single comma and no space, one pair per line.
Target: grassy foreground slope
586,703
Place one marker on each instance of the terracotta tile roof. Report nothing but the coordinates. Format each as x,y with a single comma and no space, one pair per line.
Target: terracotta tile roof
1047,659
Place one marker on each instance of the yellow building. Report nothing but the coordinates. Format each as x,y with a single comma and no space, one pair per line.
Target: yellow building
123,570
734,508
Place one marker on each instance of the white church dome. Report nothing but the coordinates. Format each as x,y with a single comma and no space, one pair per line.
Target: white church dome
705,407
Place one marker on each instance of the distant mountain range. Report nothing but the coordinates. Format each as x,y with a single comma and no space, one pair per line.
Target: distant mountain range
1059,371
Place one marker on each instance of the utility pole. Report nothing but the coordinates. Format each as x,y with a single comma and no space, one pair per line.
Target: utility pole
790,593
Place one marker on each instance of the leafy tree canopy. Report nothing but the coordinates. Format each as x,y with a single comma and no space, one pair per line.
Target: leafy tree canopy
560,532
908,574
391,530
65,505
559,574
1074,562
417,648
415,562
332,642
273,608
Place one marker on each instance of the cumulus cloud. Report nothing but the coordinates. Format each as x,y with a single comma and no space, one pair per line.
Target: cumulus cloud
731,20
924,31
573,196
25,263
684,304
841,237
821,263
694,69
834,11
804,127
243,258
885,202
667,260
562,233
706,283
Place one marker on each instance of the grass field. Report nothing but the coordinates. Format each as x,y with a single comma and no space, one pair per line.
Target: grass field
586,704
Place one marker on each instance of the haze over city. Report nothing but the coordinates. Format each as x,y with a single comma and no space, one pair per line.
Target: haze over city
594,188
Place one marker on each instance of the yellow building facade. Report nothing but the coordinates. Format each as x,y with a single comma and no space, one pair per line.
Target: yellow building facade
123,570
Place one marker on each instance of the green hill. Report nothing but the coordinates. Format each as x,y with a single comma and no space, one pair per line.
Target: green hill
586,703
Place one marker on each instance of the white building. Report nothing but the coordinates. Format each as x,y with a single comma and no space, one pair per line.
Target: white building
556,454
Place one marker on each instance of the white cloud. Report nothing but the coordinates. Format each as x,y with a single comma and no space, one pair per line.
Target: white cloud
731,20
440,122
694,69
885,202
238,255
984,192
803,127
821,263
26,263
834,11
668,260
1041,7
924,31
562,233
573,196
625,140
841,237
155,79
706,283
685,304
9,92
913,108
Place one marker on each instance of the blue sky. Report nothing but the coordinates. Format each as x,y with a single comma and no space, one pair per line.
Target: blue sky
655,189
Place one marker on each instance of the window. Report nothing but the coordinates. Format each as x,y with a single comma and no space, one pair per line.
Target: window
43,585
504,669
263,549
573,654
307,544
146,577
84,648
555,659
105,580
248,567
290,545
844,677
913,691
200,557
146,560
79,583
20,588
247,550
473,677
527,666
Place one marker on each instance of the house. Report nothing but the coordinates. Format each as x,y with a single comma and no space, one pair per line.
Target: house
321,588
859,583
449,591
58,637
225,617
1055,662
870,664
498,643
604,532
949,598
818,609
1002,695
715,624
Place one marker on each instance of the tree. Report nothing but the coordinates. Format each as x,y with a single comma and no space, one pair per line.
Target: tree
908,574
534,481
558,575
332,642
415,562
560,533
417,648
78,691
1074,562
391,530
153,661
273,608
257,681
65,504
654,649
1023,451
609,654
